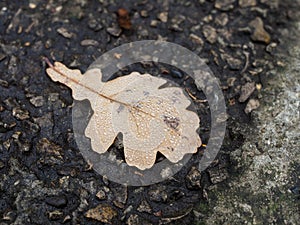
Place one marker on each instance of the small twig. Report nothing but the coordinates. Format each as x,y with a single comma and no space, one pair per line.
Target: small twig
247,62
46,60
194,97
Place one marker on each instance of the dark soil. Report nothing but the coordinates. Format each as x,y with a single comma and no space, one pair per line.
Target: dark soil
43,177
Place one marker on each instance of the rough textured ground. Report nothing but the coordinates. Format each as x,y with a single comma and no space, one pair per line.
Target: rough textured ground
255,179
266,191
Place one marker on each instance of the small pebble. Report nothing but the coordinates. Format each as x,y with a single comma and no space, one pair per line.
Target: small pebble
193,179
221,19
101,195
251,105
158,195
196,39
32,5
234,63
210,34
20,114
57,201
114,31
37,101
103,213
153,23
55,215
163,17
259,33
89,42
271,47
258,87
246,91
144,207
144,13
247,3
224,5
65,33
230,81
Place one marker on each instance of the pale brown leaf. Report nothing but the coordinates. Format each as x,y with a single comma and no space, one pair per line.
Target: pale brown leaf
151,119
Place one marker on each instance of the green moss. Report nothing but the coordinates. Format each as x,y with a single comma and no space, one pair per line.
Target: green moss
203,207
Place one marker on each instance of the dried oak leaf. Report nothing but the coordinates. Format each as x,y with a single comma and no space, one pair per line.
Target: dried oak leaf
151,119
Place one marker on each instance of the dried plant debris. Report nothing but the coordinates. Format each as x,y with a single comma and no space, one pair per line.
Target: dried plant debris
151,119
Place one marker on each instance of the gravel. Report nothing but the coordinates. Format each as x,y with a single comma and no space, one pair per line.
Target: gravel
254,179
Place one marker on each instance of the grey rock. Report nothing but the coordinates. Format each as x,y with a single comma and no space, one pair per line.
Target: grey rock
267,162
271,47
55,215
196,39
246,91
209,33
163,17
89,42
234,63
178,19
224,5
57,201
154,23
53,97
158,195
247,3
175,27
259,33
144,207
144,13
37,101
20,114
114,31
251,105
103,213
230,81
193,179
65,33
101,195
221,19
